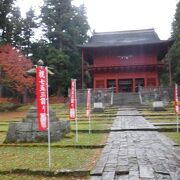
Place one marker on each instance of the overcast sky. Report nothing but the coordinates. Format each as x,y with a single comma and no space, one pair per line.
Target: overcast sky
117,15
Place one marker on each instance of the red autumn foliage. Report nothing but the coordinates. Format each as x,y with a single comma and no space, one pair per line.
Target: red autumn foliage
13,67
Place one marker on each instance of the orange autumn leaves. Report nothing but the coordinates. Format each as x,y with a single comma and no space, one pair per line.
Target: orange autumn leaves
13,67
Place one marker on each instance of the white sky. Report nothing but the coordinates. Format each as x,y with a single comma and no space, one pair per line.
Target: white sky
117,15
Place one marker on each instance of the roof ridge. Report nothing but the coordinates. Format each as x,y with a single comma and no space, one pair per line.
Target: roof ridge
125,31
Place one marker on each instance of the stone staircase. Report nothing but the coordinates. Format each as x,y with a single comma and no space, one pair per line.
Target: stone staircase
126,99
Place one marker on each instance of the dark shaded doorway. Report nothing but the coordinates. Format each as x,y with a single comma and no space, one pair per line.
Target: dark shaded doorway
111,83
139,82
125,85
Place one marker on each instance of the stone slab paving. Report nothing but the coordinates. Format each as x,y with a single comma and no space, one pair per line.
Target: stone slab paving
138,153
131,120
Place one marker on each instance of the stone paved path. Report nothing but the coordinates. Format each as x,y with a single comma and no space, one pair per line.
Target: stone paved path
135,150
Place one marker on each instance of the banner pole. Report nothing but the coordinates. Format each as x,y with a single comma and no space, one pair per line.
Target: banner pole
77,139
89,125
49,136
112,96
76,131
176,106
177,122
90,113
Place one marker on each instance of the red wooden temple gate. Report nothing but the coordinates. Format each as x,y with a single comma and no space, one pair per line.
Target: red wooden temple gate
125,60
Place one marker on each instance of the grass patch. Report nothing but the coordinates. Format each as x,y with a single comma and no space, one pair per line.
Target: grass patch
24,107
82,125
34,177
173,136
4,127
94,126
12,116
84,139
37,158
163,117
168,126
162,120
70,139
62,158
2,136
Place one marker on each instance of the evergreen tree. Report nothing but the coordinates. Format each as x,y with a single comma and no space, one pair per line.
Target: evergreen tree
56,15
16,30
173,56
59,62
29,26
65,27
5,9
39,51
15,27
10,23
175,50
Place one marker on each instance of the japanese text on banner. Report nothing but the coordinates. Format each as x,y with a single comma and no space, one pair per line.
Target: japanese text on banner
42,97
176,105
88,103
72,104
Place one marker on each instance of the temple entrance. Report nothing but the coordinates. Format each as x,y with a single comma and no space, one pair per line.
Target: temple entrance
111,83
139,82
125,85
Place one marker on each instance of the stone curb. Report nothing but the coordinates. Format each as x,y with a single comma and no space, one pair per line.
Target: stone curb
93,131
55,146
57,173
159,115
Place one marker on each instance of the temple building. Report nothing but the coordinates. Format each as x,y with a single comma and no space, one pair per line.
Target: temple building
124,60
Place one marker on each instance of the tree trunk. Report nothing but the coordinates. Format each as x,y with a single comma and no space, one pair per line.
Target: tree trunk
1,88
58,94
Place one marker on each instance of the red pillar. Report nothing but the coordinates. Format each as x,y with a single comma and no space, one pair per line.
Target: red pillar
94,83
105,83
82,80
145,82
170,70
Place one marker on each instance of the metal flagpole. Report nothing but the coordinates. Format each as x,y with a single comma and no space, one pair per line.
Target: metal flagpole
176,106
112,95
90,112
177,122
48,119
77,139
89,124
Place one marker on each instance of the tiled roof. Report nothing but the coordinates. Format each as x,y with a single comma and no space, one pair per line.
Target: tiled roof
124,38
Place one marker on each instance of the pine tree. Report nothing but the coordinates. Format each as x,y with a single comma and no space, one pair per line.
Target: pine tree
175,50
15,27
5,9
28,31
65,27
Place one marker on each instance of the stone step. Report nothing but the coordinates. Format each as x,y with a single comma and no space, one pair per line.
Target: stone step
126,98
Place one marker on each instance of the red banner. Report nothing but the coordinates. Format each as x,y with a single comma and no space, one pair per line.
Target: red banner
88,103
72,102
42,97
176,105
